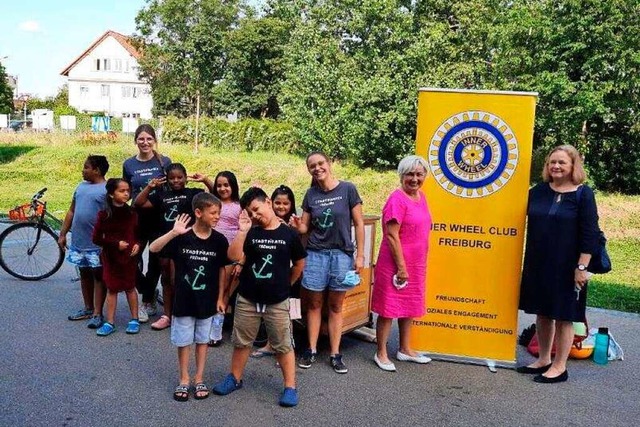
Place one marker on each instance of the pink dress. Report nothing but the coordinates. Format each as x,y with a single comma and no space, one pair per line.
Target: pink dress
415,224
228,223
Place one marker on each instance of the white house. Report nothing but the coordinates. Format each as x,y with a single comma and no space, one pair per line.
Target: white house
104,79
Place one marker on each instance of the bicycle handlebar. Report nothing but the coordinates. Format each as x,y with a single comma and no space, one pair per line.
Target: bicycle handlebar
39,194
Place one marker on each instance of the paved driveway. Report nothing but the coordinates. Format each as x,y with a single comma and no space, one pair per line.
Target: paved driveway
59,373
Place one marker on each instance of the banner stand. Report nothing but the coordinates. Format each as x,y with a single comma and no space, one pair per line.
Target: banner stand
478,146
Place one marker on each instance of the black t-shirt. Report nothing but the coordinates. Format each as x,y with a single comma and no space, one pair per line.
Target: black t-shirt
197,270
172,203
269,253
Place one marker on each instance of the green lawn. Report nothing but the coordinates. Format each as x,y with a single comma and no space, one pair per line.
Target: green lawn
29,162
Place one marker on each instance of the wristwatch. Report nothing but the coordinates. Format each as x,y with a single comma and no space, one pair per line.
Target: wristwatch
581,267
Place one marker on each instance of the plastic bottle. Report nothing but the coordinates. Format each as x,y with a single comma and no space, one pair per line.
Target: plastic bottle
216,326
601,349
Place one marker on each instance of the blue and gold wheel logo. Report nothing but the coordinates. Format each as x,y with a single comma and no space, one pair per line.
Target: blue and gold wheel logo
473,154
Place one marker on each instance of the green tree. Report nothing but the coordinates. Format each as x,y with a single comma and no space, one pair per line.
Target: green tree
183,51
6,93
254,67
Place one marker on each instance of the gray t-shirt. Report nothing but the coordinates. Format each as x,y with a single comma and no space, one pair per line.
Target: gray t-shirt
331,216
138,173
89,199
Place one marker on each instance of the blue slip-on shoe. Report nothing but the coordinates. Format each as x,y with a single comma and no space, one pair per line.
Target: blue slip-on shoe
289,397
106,329
95,322
228,385
133,327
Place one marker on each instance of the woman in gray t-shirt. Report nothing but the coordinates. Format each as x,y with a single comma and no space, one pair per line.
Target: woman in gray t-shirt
329,208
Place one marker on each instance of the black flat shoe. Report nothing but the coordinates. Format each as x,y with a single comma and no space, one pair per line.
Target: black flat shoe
528,370
214,343
546,380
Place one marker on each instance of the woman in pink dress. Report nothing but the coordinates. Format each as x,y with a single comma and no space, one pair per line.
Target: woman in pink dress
399,287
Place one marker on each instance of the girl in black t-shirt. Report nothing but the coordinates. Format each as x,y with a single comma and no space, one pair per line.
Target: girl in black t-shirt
173,199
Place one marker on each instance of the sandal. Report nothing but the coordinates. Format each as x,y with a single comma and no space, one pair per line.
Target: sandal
181,393
203,390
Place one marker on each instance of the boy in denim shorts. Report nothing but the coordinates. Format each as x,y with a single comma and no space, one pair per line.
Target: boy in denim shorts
273,260
88,199
199,254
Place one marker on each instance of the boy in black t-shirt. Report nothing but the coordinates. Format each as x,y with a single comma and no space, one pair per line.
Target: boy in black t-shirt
200,255
274,259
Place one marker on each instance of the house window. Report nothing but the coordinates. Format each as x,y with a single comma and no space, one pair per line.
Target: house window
104,90
126,91
96,65
106,64
117,65
84,91
126,66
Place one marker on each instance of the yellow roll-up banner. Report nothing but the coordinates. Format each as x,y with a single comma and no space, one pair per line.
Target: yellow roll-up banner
478,145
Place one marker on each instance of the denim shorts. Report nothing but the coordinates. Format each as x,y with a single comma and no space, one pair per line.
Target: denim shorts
326,268
84,259
186,330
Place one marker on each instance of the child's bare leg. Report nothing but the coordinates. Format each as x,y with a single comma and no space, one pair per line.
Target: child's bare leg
239,361
86,286
183,364
132,299
201,358
287,363
99,292
112,303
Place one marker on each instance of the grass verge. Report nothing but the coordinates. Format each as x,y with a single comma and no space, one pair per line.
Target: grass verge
29,162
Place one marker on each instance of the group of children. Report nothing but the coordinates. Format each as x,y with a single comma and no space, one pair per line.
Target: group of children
207,244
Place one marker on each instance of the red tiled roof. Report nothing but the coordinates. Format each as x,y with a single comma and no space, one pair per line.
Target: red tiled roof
121,38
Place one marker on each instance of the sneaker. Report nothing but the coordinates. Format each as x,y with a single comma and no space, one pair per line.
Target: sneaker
95,322
80,315
143,316
106,329
228,385
308,358
151,308
162,323
133,327
337,364
289,397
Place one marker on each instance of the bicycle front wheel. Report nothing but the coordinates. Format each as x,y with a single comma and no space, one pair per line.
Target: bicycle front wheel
25,256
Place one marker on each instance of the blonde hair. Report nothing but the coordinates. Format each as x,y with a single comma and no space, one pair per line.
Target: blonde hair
578,174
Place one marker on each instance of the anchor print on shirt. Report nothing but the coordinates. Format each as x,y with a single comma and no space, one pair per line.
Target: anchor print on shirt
194,283
259,274
172,214
325,220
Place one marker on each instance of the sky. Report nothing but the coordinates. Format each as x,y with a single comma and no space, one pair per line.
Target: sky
40,38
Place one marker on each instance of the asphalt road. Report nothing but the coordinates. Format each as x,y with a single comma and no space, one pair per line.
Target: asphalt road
55,372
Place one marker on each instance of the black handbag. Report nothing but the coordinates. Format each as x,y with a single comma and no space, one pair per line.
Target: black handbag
600,262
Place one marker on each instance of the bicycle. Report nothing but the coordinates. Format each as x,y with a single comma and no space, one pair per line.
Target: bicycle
29,248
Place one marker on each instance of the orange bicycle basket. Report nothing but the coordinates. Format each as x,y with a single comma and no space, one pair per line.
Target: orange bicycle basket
20,213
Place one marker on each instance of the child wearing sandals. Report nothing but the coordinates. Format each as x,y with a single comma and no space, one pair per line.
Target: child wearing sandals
274,259
199,254
173,199
116,231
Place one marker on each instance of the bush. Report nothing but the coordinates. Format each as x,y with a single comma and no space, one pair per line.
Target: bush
243,135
